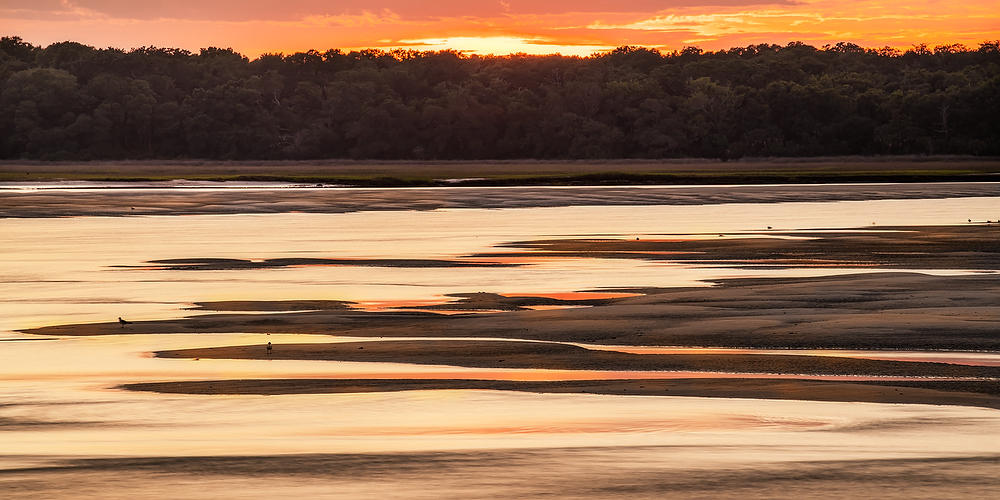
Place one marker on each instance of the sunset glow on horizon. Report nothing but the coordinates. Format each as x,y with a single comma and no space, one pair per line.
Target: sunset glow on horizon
582,27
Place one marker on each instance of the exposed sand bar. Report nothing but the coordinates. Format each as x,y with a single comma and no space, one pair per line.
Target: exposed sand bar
552,356
971,358
985,394
129,202
209,264
900,311
970,246
642,473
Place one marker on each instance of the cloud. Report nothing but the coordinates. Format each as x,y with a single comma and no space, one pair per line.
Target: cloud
498,26
290,10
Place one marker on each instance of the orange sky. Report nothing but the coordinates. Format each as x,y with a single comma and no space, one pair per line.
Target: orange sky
578,27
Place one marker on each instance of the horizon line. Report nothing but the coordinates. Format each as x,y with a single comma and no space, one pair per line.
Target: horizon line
662,50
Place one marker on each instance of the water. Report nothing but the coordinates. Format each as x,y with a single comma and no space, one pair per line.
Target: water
58,399
59,270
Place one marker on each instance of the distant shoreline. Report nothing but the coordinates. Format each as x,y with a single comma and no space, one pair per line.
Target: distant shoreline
122,201
820,170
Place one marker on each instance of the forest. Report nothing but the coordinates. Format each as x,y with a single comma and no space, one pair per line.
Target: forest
70,101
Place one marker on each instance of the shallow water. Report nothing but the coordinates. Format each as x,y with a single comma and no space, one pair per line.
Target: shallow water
61,402
57,399
60,270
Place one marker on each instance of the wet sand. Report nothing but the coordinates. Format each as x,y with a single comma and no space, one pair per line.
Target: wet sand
212,264
271,305
596,472
551,356
971,246
984,394
136,201
902,311
865,311
183,434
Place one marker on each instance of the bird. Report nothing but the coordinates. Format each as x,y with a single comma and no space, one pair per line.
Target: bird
123,322
769,227
268,348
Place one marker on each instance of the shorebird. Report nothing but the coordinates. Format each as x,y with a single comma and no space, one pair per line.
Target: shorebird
122,322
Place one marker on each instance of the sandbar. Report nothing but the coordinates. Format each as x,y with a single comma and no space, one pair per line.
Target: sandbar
554,356
901,311
984,395
128,202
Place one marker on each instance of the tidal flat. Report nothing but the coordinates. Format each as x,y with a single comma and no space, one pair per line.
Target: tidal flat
723,341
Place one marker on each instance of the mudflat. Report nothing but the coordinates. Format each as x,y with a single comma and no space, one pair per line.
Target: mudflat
969,246
905,311
133,200
874,311
575,472
981,394
554,356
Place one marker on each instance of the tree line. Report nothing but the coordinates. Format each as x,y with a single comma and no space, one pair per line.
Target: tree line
70,101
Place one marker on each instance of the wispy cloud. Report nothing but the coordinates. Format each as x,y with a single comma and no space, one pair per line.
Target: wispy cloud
500,26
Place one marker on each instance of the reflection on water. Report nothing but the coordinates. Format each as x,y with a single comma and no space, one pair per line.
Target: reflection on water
59,270
99,422
112,360
56,399
635,472
471,444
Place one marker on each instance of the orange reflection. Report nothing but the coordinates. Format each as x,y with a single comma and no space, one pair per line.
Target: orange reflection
382,305
552,307
532,375
575,295
533,259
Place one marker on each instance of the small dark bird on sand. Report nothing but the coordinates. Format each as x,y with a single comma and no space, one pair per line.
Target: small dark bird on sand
123,322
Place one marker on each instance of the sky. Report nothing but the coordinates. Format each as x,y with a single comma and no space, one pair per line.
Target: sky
570,27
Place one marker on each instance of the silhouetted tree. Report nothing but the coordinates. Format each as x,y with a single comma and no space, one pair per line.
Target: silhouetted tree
72,101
